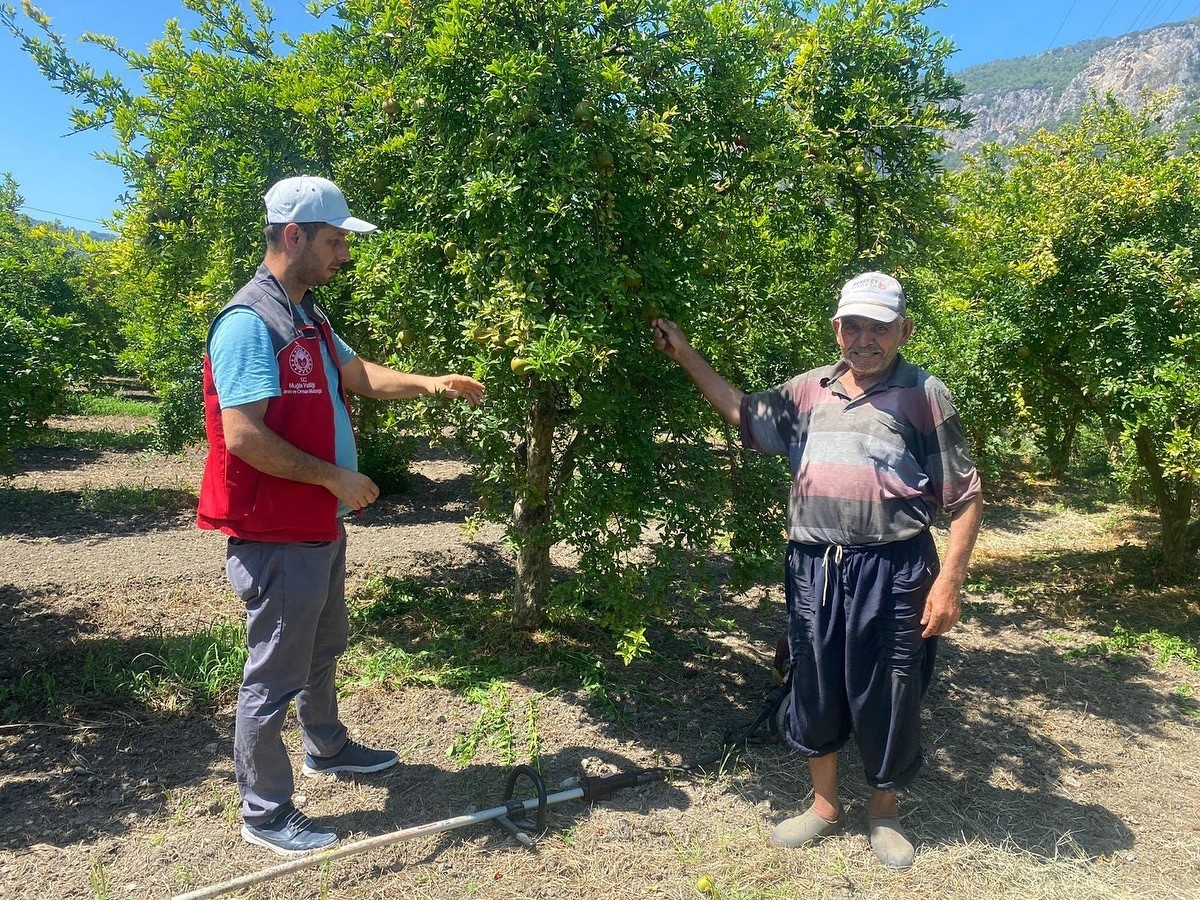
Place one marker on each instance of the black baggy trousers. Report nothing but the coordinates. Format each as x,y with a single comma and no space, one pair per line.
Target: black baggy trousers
859,663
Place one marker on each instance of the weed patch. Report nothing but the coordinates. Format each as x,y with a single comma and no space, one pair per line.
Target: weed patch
125,501
92,404
1184,698
91,439
464,644
166,673
492,728
495,728
1163,646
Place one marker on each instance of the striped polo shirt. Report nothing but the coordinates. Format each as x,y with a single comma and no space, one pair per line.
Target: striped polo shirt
868,470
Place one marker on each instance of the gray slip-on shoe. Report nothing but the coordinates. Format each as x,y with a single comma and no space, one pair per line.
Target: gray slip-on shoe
891,846
805,828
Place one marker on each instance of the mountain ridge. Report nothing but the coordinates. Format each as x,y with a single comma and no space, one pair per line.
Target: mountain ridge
1012,99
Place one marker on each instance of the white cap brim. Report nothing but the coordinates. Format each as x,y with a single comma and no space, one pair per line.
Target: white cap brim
871,311
358,226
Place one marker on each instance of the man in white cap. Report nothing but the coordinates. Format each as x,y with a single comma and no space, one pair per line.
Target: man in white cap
875,448
281,472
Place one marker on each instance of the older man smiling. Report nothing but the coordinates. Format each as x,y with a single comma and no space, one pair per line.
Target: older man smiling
875,448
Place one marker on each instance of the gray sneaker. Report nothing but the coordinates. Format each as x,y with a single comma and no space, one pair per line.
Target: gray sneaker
353,757
289,833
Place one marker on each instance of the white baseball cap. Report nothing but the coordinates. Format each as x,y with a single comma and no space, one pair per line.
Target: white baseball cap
310,198
872,295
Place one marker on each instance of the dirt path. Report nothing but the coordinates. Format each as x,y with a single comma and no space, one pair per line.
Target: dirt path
1049,774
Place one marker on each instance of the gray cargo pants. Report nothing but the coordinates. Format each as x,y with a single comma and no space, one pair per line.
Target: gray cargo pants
296,628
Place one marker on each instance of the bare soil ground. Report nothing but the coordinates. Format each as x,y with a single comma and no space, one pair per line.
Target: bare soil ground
1049,773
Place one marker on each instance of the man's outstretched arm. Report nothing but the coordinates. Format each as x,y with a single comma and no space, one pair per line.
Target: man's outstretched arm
373,380
724,397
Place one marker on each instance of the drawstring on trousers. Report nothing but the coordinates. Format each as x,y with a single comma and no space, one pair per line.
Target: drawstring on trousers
836,550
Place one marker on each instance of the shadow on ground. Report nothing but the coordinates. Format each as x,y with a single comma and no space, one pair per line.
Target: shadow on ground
995,770
421,794
993,774
427,501
58,449
1015,490
1123,586
90,514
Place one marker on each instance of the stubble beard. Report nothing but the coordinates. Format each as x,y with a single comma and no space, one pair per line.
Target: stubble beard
315,275
873,366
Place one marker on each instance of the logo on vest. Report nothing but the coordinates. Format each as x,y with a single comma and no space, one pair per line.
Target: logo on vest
301,361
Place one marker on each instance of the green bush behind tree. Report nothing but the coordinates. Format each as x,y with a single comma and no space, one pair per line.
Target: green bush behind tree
56,328
1081,254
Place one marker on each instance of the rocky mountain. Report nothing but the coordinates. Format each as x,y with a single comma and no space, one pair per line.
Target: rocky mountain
1013,98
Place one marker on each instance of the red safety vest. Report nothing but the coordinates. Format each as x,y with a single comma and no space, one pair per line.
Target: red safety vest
236,498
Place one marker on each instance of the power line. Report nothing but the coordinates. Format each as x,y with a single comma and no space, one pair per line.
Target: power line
1138,17
51,212
1070,9
1155,14
1171,14
1145,15
1146,12
1105,19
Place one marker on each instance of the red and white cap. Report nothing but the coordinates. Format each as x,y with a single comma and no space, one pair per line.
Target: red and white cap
872,295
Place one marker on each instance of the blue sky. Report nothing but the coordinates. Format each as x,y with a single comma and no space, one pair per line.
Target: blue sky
60,179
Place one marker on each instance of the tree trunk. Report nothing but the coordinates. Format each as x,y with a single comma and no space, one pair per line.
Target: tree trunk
1191,539
531,513
1061,443
1178,552
1173,496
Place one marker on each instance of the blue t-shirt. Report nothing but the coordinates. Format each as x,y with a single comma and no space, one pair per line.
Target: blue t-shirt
245,371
